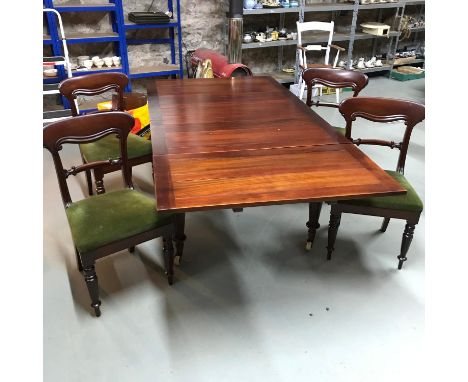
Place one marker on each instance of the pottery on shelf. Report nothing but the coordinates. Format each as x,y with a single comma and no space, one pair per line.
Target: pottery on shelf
81,60
108,61
50,72
99,63
360,64
249,4
88,64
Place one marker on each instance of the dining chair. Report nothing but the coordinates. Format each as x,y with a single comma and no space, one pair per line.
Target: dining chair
303,48
407,206
139,149
104,224
336,79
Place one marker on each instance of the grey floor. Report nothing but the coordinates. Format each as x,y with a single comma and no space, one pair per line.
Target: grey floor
249,303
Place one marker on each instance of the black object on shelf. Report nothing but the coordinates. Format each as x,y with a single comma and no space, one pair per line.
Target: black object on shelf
149,17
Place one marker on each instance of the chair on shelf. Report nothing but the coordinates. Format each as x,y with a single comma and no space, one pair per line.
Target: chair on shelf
139,149
104,224
336,79
407,206
303,48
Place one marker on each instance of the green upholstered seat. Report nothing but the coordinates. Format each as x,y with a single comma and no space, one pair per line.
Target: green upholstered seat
108,147
341,130
405,202
105,218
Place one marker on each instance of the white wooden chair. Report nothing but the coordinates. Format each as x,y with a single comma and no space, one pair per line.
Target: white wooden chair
316,26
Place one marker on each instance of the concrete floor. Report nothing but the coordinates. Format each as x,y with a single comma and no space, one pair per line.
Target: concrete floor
249,304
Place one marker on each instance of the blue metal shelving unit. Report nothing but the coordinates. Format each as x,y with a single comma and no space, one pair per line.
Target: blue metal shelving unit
120,25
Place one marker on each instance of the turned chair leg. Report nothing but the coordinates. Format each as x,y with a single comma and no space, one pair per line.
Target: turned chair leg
405,243
131,249
93,287
99,178
130,172
335,219
89,182
78,261
313,223
168,250
179,236
384,224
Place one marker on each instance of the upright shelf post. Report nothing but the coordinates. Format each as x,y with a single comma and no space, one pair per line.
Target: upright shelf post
352,33
119,25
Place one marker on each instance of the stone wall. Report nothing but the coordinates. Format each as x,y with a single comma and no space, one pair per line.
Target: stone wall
203,25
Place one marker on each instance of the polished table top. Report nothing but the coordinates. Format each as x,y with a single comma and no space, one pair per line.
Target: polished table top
248,141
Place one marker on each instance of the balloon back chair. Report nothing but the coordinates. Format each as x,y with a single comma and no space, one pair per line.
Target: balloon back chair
139,149
336,79
407,206
104,224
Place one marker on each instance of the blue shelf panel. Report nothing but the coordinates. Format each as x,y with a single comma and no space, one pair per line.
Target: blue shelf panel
129,25
149,41
51,80
154,71
86,111
92,37
155,74
105,7
77,73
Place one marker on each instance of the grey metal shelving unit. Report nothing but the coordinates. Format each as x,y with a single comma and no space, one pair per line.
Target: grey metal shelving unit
421,4
351,37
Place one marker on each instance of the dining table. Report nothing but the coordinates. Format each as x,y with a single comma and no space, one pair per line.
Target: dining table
231,143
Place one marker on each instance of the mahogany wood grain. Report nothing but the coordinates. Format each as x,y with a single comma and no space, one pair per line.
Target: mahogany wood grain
207,115
245,178
234,143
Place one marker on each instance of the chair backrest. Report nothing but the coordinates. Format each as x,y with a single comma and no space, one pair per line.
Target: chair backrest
317,26
333,78
87,129
93,84
383,110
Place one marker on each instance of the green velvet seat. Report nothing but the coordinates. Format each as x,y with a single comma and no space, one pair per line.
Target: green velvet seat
108,147
405,202
106,218
341,130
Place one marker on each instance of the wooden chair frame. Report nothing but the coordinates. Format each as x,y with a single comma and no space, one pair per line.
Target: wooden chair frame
86,129
95,84
303,49
379,110
337,79
332,78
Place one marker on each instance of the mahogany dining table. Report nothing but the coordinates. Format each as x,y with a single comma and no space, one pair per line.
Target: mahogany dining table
242,142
